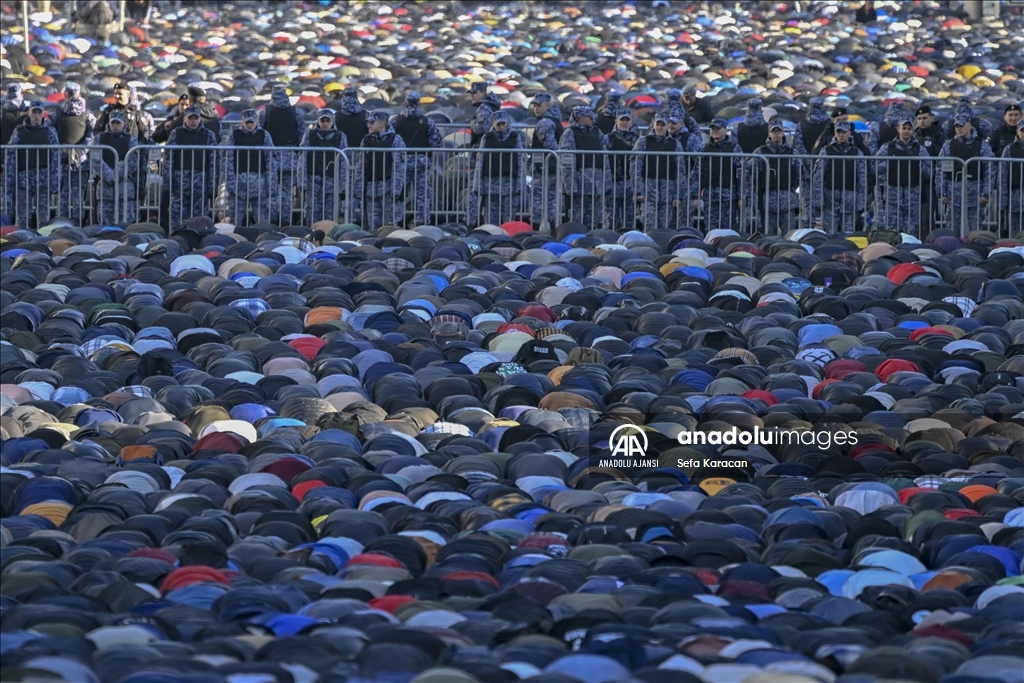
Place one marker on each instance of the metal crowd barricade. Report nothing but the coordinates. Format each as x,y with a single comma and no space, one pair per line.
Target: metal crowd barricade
281,185
32,178
440,185
1007,201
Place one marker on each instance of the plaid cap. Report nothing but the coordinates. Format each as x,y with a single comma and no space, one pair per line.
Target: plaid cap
541,98
325,114
117,115
72,89
193,111
479,86
843,126
249,115
719,122
36,104
378,115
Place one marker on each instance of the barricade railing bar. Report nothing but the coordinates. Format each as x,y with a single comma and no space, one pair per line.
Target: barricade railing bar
622,190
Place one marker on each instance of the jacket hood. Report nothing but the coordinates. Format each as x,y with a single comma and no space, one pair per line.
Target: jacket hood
816,113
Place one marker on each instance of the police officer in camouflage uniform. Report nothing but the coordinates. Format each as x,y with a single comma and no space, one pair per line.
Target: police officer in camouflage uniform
108,165
499,174
902,181
486,105
773,177
608,116
318,167
249,174
840,181
1011,181
679,118
381,173
752,131
585,172
418,132
544,185
191,174
691,141
13,114
887,129
810,130
967,144
719,177
351,121
620,194
33,174
286,126
659,178
74,125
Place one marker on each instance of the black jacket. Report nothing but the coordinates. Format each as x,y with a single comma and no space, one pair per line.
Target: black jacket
700,111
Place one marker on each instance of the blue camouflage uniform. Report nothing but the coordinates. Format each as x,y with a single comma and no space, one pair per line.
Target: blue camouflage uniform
660,179
74,125
885,131
418,131
544,180
480,124
620,188
901,183
718,177
191,174
585,173
840,184
691,141
674,106
286,126
973,180
963,108
249,174
606,117
33,175
1011,181
107,165
772,180
814,124
496,187
381,175
13,113
317,170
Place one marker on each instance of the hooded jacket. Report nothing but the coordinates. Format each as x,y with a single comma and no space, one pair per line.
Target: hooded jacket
53,160
480,124
412,112
236,162
74,107
315,137
395,182
896,147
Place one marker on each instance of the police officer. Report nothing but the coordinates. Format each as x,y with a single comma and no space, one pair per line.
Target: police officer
690,140
207,112
321,168
248,174
773,177
752,131
584,173
137,121
1006,133
286,125
351,117
418,132
719,176
109,164
486,105
811,129
887,129
74,125
13,114
660,182
33,174
928,132
901,181
1011,181
499,172
675,108
191,174
381,173
620,192
607,117
963,108
840,181
544,186
967,144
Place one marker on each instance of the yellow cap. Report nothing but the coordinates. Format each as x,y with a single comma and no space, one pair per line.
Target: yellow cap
716,484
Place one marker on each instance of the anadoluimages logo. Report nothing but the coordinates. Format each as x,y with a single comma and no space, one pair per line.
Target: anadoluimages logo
628,441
